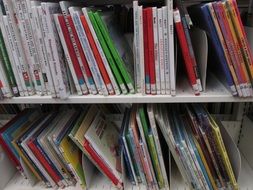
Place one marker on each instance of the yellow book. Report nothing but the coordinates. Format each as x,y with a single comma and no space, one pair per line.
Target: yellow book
223,152
244,46
73,156
25,128
205,164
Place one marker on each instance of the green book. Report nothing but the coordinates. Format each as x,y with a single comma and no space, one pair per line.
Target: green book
7,66
151,147
108,54
115,43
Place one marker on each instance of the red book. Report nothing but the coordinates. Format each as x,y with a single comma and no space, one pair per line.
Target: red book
83,58
102,166
71,51
185,51
39,155
97,56
146,51
151,55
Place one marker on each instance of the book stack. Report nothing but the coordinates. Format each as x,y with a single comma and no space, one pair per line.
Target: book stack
60,48
196,143
126,144
222,22
154,49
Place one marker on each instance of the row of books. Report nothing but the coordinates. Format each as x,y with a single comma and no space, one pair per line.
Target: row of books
62,148
61,48
222,22
154,49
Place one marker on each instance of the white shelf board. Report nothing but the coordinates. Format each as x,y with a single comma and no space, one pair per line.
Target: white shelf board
215,92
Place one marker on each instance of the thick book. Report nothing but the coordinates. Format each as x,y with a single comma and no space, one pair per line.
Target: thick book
186,52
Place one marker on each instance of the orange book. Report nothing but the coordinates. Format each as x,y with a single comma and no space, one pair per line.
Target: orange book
241,35
97,56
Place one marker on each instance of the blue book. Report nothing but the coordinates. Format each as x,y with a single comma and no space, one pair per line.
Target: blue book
201,17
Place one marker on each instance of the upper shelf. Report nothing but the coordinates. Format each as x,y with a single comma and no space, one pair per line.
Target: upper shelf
215,92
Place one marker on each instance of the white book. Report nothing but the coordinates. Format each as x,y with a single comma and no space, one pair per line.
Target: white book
6,37
41,34
75,14
39,43
19,53
89,80
161,49
56,57
4,85
156,52
166,50
171,48
114,86
103,137
28,43
67,55
151,116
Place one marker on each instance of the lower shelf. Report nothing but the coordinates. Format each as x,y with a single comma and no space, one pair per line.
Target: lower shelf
99,182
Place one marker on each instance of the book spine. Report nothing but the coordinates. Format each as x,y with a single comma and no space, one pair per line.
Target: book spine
100,163
218,48
101,53
50,70
171,48
146,52
88,53
238,58
97,56
53,41
229,50
137,61
20,56
185,51
83,62
29,45
156,51
70,55
151,59
141,50
161,49
166,50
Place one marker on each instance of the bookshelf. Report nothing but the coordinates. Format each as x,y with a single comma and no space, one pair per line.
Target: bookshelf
216,92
